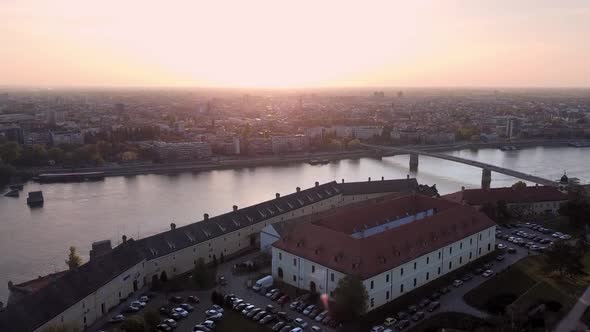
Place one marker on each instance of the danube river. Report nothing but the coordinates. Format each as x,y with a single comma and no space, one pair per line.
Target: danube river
35,241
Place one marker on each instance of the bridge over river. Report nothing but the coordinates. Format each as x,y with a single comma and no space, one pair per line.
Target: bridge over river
487,169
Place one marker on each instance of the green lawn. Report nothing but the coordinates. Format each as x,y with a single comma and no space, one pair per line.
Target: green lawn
526,285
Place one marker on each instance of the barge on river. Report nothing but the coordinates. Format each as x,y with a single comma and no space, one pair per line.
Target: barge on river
70,177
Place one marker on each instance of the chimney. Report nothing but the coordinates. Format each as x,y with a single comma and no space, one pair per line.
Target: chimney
382,178
462,188
407,176
317,184
235,208
206,216
172,226
278,195
298,189
124,238
342,180
369,179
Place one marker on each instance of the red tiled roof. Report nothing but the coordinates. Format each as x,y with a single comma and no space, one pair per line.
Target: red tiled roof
328,243
508,194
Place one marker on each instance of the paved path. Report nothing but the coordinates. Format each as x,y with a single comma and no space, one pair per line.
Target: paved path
571,322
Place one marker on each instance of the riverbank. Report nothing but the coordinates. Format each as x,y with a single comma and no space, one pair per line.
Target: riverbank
247,162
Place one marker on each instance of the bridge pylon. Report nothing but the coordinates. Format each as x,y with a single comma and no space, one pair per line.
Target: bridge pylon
486,178
413,161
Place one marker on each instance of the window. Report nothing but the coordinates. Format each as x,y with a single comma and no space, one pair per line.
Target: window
372,284
402,271
280,255
470,255
471,241
387,278
294,262
461,260
450,265
427,275
460,245
439,270
295,278
372,302
479,251
387,295
332,277
415,282
119,294
401,288
280,273
439,254
488,247
427,260
414,265
480,236
450,250
313,269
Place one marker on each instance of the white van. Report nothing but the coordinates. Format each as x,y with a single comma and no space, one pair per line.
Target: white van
263,283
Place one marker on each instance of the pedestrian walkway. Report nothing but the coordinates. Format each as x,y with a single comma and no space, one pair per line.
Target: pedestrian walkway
571,322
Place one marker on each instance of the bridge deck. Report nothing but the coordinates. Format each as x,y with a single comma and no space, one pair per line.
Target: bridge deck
493,168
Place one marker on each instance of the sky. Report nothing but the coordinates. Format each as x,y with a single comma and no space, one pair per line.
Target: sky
292,44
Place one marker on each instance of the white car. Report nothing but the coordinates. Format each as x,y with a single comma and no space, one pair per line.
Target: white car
300,322
138,304
297,329
117,318
457,283
209,324
183,313
144,299
309,309
565,237
557,234
501,246
316,329
377,328
217,308
487,273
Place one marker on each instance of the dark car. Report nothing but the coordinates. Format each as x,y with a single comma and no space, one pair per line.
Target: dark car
402,315
301,306
253,312
444,290
284,316
466,277
402,324
500,258
314,313
478,271
174,315
267,319
201,328
286,328
176,299
433,306
435,296
418,316
163,328
276,296
278,326
187,307
259,315
164,310
193,299
511,250
412,309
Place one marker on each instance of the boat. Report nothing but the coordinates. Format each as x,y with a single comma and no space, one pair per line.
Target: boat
35,198
12,193
508,148
70,177
579,144
314,162
16,186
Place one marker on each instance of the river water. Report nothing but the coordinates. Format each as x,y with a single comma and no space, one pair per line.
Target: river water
35,241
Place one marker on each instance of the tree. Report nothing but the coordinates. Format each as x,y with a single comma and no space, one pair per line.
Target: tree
565,259
351,298
519,185
73,260
202,276
9,152
577,210
6,172
133,324
353,144
151,319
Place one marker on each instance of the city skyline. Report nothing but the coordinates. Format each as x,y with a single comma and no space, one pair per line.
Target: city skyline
263,44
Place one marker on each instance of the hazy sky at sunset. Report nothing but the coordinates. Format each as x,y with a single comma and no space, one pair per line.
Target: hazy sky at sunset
299,43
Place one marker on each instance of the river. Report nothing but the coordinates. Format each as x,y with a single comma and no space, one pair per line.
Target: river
35,242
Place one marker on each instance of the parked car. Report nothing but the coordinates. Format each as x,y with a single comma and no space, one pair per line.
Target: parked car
488,273
176,299
433,306
418,316
444,290
377,328
294,305
271,292
267,319
131,309
390,321
402,315
297,329
170,322
209,324
187,307
193,299
286,328
300,322
283,299
278,326
211,312
240,306
309,309
117,318
466,277
174,315
500,258
314,313
321,316
261,314
412,309
144,299
183,313
511,250
402,324
423,303
316,329
201,328
457,283
253,312
163,328
276,296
